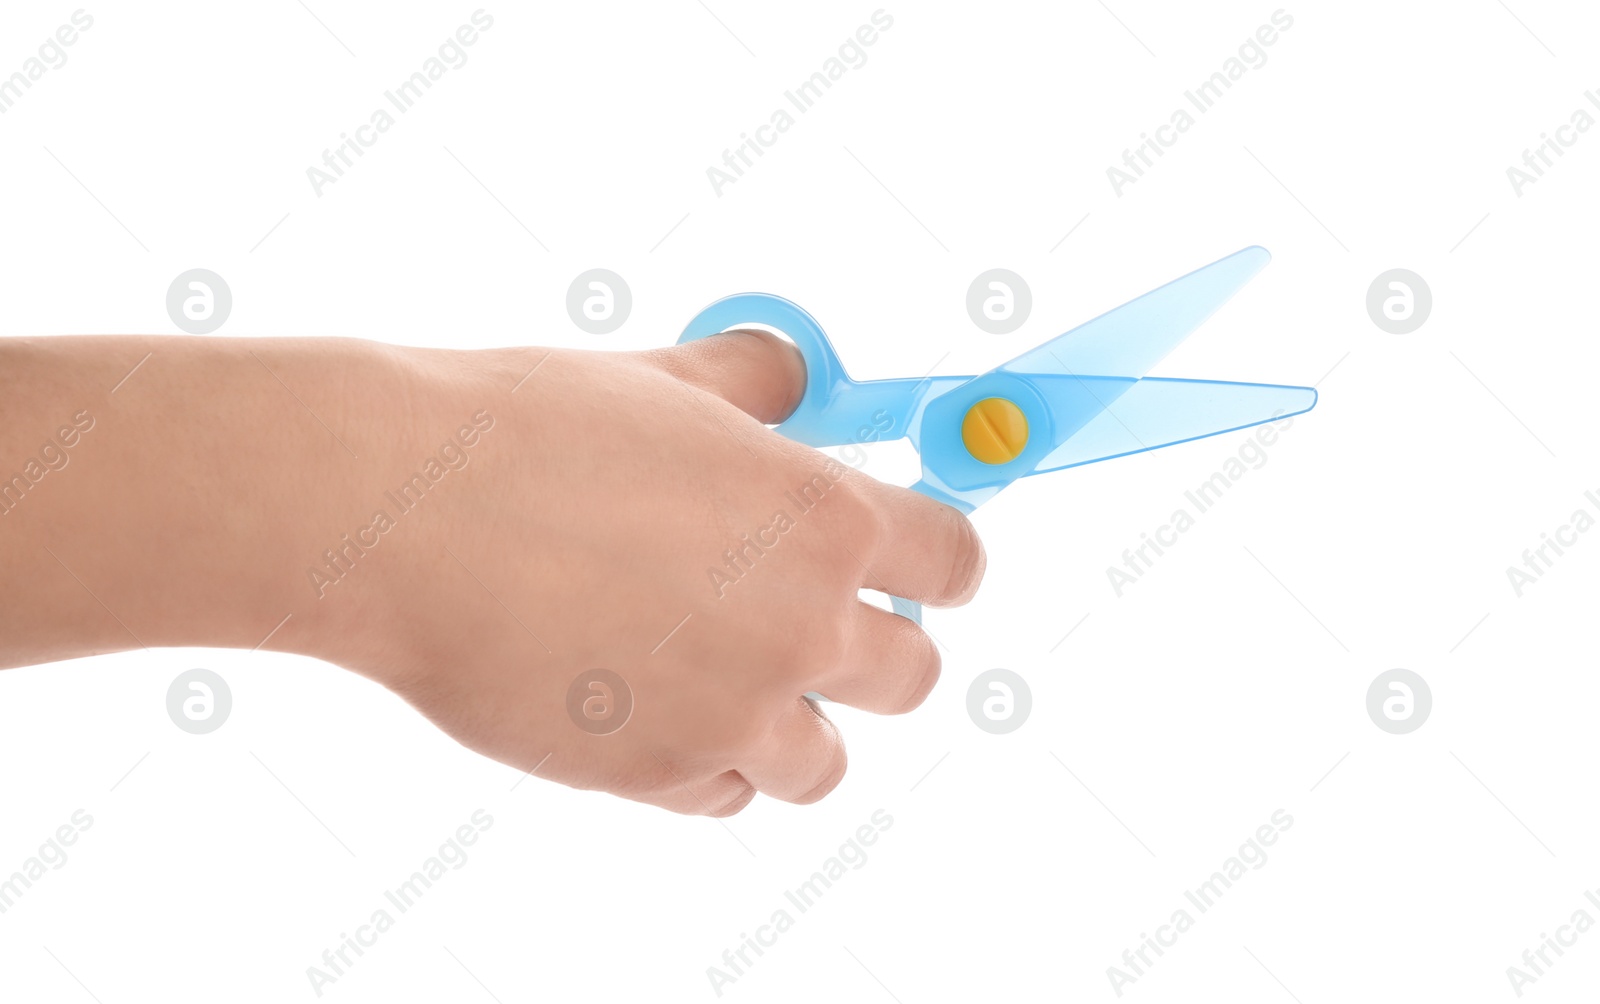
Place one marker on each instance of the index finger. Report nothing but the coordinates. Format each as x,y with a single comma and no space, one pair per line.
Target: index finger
925,550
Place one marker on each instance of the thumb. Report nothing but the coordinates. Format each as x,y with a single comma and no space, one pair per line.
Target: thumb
757,372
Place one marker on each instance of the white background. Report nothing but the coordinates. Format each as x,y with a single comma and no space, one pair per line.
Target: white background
1174,720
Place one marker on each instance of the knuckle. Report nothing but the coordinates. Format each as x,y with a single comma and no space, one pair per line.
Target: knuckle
966,560
837,767
921,678
733,802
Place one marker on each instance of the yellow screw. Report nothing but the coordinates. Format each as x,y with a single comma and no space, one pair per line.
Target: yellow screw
995,430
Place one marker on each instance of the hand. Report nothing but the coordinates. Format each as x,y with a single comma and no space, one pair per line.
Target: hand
631,512
477,531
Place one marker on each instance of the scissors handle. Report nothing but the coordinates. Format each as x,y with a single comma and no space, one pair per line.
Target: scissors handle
826,379
833,407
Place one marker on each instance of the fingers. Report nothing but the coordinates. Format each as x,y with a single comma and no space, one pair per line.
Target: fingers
889,668
929,552
802,760
719,795
926,551
755,371
799,759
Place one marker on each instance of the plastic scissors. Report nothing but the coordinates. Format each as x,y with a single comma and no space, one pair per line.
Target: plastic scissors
1076,399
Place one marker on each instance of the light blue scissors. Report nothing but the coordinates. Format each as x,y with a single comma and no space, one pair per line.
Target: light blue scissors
1080,397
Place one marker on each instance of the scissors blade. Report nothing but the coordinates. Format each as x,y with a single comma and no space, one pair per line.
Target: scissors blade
1129,340
1156,412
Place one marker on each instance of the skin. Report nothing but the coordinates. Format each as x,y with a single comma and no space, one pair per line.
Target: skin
574,524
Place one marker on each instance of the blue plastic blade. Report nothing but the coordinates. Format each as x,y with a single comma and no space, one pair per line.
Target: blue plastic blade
1156,412
1129,340
1070,381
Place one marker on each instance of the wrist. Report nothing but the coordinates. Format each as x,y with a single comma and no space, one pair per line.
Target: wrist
367,564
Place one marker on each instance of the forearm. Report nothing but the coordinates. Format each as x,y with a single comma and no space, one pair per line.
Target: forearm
168,491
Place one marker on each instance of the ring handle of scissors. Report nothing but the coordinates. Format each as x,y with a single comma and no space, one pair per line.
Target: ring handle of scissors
813,421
